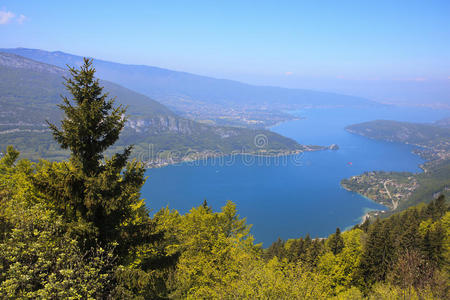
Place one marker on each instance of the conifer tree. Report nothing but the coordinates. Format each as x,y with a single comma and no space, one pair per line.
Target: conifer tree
91,123
372,256
276,249
439,207
206,206
98,196
365,225
336,242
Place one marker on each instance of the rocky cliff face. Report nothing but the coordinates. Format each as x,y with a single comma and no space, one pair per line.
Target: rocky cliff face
171,124
161,124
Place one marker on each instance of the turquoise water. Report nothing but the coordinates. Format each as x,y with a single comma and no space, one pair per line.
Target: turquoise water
291,196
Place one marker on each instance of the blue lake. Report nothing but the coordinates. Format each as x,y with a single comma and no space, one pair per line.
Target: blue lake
289,197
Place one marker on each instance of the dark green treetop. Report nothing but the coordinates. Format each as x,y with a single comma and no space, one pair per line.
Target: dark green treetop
336,242
91,123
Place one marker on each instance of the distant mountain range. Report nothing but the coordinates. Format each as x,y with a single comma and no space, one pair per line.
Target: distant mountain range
203,98
30,92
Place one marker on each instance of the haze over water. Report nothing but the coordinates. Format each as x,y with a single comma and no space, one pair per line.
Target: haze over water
290,197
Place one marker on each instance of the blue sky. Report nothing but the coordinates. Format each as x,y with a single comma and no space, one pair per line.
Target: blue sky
357,47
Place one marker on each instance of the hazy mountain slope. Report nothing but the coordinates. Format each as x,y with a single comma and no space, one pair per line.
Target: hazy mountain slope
445,122
433,140
203,97
403,132
36,85
162,83
30,92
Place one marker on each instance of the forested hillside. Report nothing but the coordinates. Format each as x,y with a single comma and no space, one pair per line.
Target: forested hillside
423,135
30,92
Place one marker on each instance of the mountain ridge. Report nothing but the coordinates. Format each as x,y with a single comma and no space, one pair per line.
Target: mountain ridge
198,97
29,96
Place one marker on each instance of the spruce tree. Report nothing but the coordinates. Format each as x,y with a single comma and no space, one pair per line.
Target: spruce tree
440,207
372,256
365,225
98,196
206,206
313,252
91,123
336,242
276,249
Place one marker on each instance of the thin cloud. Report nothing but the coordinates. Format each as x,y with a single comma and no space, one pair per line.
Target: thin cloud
414,79
21,19
6,17
289,73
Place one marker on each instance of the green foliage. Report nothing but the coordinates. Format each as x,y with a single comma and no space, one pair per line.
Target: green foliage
407,249
219,261
42,257
83,228
78,229
303,250
213,246
341,268
10,157
406,255
91,123
276,279
335,242
96,194
39,259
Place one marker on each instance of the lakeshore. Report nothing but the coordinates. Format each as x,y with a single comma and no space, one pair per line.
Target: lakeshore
197,157
291,195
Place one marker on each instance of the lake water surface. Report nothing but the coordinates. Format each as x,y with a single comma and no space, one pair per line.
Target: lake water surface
292,196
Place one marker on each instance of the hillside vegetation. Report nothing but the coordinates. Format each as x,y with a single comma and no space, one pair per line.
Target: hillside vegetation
30,92
399,190
429,136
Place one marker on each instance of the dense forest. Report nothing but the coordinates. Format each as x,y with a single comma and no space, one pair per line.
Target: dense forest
78,229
